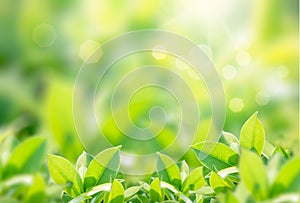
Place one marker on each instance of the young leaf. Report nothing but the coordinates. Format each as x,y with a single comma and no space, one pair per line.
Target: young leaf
215,155
83,162
63,172
228,138
184,170
168,170
155,191
288,179
254,175
26,158
129,192
102,168
268,150
253,134
194,181
116,194
219,184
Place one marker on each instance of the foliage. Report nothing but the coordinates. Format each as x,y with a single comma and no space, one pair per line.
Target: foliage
231,170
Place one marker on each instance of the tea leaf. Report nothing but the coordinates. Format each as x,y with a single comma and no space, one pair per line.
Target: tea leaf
253,134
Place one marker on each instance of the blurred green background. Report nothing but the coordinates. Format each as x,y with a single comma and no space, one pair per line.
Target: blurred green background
43,44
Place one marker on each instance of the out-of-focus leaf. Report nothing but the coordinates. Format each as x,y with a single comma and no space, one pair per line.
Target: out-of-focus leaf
219,184
116,194
254,175
215,155
36,192
59,117
253,134
26,158
280,150
168,170
155,191
8,200
83,162
103,167
63,172
194,181
288,179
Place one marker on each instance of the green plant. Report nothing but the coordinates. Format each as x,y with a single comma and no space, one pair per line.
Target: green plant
248,169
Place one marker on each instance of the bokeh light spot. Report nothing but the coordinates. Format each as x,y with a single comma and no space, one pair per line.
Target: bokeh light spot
229,72
236,105
90,51
262,98
243,58
44,35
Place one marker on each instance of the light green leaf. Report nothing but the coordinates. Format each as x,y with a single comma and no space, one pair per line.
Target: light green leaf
268,150
215,155
253,134
36,192
184,170
9,200
167,170
83,162
116,194
155,191
26,158
194,181
219,184
288,178
254,175
63,172
129,192
228,138
103,167
99,188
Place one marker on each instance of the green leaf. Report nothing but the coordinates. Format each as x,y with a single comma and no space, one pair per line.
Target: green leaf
9,200
228,138
167,170
26,158
288,178
155,191
184,170
268,150
129,192
83,162
99,188
116,194
254,175
219,184
194,181
253,134
63,172
36,192
103,167
214,155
